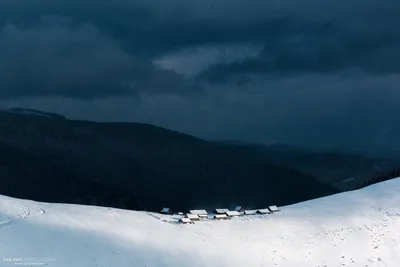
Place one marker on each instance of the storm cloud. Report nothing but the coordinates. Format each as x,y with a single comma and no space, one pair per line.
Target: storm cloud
265,71
56,58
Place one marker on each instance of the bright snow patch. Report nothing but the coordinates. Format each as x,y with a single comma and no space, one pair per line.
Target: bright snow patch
359,228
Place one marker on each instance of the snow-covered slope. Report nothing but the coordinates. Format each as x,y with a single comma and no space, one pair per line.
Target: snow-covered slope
359,228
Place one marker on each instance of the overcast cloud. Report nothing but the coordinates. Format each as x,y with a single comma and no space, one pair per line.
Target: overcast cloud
308,72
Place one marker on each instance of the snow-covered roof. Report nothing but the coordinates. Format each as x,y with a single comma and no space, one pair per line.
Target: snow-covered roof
273,208
232,213
263,211
221,211
185,220
250,212
199,212
165,210
192,216
220,216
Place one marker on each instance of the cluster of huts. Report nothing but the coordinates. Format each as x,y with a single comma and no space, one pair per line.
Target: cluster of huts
217,214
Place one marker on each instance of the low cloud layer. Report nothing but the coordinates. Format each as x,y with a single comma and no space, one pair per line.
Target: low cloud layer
266,71
56,58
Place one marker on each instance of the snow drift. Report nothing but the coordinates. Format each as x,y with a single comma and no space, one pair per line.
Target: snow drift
358,228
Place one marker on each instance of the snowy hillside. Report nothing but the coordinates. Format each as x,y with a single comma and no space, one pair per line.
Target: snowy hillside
359,228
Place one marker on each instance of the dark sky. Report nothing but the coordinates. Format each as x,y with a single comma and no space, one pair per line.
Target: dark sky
311,72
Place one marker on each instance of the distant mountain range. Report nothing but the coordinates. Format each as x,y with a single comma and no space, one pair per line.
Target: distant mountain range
339,169
47,157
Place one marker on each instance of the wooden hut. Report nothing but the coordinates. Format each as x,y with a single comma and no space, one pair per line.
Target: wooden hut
239,209
233,213
200,213
166,211
250,212
185,220
263,211
221,217
220,211
193,217
273,208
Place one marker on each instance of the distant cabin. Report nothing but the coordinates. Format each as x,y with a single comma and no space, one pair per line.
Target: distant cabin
200,213
232,213
239,209
263,211
192,217
274,209
221,217
250,212
166,211
220,211
185,220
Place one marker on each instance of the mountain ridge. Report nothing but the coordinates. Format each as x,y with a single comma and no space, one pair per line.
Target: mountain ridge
142,166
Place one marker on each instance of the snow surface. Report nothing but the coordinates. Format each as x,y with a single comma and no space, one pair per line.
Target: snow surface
359,228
